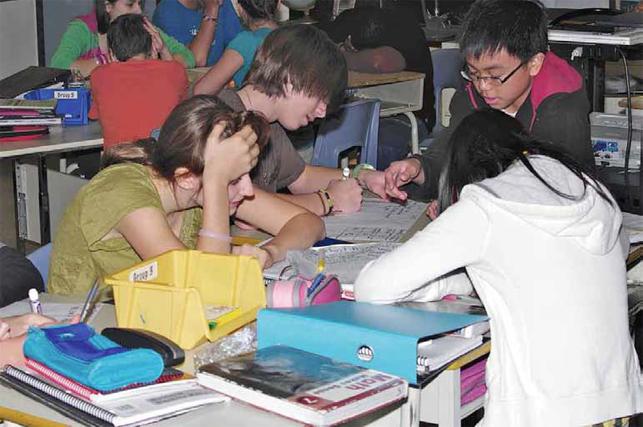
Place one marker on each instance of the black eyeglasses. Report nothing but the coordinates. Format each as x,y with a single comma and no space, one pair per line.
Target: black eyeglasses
490,80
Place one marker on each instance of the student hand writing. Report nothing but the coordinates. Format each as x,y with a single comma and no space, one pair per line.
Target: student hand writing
346,195
374,181
231,157
159,50
401,173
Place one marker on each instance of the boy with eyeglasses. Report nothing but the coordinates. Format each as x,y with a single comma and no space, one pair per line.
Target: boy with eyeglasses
507,67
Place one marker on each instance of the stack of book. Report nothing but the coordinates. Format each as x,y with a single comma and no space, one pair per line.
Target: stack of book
25,119
172,394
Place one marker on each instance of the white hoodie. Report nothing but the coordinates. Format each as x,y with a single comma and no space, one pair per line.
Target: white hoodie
551,274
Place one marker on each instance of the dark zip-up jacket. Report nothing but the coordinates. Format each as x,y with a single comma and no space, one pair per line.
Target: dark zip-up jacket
556,110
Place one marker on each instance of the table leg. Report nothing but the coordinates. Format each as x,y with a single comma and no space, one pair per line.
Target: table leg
415,143
43,198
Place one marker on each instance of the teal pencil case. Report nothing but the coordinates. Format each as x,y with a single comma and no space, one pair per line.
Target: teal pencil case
78,352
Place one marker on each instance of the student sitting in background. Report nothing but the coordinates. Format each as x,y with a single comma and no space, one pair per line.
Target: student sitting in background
508,68
297,75
259,17
177,192
539,238
83,46
373,40
205,26
134,94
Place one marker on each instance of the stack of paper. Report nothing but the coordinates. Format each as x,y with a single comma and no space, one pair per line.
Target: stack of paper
437,352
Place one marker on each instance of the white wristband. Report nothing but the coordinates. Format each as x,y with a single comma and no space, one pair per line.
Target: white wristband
214,235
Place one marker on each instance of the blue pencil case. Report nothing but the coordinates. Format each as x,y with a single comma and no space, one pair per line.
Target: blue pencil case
81,354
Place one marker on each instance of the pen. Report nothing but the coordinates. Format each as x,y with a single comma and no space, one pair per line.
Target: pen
346,173
90,297
34,301
315,284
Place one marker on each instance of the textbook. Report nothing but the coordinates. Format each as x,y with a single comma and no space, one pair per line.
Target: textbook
144,406
303,386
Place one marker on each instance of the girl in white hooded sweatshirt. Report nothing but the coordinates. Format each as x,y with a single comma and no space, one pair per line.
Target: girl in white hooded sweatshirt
539,238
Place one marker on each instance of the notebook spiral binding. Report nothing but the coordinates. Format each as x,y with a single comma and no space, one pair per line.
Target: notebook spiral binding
59,394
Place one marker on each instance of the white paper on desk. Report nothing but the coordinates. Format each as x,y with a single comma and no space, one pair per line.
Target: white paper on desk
62,312
633,226
344,261
377,221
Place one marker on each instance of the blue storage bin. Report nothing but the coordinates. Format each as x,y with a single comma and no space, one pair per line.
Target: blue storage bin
72,105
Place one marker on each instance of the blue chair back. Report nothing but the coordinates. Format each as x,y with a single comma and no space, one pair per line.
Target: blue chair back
356,124
40,259
447,64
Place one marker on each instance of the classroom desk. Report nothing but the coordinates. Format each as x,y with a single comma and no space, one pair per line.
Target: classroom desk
60,139
231,413
400,93
438,402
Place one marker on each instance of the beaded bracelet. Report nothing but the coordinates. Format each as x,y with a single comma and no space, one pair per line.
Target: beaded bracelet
209,18
214,235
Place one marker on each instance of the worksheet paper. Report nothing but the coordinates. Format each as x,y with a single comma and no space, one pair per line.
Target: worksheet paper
62,312
344,261
377,221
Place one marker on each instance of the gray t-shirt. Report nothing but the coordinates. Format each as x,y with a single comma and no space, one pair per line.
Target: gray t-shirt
279,163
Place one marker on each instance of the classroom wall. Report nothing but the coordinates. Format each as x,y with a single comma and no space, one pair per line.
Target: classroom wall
18,37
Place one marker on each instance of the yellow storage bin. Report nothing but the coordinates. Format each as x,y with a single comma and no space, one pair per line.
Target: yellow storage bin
170,294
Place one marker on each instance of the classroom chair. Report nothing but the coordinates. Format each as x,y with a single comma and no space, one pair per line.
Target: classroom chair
447,64
356,124
40,259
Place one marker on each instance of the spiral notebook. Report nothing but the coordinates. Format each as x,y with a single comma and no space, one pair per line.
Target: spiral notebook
142,407
88,393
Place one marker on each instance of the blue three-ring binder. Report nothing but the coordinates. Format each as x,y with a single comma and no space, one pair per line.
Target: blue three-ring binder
380,337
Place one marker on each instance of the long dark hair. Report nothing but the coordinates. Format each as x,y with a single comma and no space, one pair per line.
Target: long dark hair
184,136
486,143
259,9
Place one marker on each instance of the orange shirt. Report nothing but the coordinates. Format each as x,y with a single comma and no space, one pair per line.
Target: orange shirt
130,99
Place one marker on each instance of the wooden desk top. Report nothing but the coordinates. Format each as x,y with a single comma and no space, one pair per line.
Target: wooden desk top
357,79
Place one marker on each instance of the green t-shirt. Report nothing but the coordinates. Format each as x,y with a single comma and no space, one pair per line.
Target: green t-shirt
79,256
